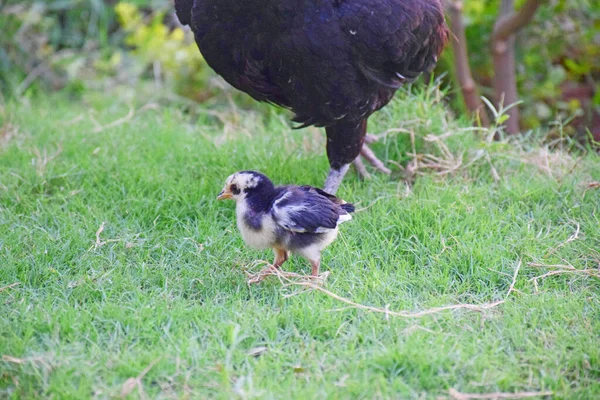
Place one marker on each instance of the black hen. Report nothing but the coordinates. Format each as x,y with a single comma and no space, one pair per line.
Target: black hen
332,62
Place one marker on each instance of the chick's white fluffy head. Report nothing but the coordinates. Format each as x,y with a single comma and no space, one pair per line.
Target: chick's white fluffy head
240,183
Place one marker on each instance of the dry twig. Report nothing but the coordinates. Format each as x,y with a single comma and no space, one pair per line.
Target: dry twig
289,279
514,280
130,114
43,159
561,269
571,238
100,243
372,203
12,285
130,384
41,360
589,186
98,232
455,394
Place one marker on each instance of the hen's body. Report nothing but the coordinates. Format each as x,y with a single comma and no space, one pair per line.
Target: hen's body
332,62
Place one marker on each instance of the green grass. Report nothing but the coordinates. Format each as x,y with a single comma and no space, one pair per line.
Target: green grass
166,289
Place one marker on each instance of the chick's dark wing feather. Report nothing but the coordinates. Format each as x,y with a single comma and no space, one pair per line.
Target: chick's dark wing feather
305,211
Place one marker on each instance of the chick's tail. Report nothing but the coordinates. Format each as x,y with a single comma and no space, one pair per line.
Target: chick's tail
349,208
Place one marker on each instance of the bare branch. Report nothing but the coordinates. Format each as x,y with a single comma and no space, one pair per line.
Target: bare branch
505,82
461,60
509,23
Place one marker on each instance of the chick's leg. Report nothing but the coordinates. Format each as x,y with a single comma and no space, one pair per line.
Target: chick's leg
281,256
316,263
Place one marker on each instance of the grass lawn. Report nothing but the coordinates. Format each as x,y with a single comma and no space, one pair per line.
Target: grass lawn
156,303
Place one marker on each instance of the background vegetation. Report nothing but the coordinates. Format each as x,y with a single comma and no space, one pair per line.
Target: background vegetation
121,276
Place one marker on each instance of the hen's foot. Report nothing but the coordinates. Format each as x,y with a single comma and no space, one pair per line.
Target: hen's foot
368,155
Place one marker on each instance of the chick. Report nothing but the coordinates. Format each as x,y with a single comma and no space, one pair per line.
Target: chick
299,219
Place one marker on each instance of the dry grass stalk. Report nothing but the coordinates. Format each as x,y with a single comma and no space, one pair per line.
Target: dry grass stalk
514,280
130,114
39,360
444,164
43,159
130,384
561,269
403,314
455,394
7,132
289,279
372,203
98,232
571,238
441,166
100,243
12,285
590,186
555,164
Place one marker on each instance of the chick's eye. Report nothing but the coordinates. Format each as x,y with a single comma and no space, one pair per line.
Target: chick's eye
234,189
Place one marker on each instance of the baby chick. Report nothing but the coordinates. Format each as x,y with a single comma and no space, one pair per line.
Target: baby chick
299,219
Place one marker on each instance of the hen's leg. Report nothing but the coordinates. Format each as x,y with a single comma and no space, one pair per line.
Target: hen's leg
334,179
368,155
347,141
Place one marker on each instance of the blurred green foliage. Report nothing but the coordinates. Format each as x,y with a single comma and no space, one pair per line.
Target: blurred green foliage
558,58
172,55
77,44
38,36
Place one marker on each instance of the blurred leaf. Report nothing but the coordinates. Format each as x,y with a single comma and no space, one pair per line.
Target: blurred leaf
577,68
502,119
557,75
597,97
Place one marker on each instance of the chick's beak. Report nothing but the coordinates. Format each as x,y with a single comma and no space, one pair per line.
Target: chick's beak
225,194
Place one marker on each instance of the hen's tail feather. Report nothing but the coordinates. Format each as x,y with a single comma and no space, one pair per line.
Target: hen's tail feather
183,9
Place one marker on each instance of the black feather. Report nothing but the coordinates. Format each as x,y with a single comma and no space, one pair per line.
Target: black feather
349,208
183,9
307,209
332,62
